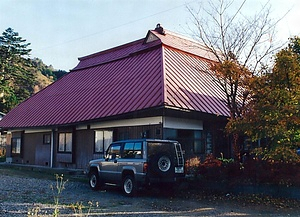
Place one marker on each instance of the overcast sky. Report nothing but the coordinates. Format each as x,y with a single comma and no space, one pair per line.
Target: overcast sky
60,31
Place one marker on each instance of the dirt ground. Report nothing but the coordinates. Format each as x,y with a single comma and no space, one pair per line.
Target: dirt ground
24,195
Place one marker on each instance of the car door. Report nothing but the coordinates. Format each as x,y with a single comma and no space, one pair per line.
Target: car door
109,172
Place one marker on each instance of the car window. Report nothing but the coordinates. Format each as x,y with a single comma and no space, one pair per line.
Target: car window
113,151
132,150
158,147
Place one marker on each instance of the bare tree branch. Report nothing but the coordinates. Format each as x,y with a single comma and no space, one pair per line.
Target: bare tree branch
226,31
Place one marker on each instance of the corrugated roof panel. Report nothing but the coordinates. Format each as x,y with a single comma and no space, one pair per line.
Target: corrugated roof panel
192,87
129,85
192,83
174,65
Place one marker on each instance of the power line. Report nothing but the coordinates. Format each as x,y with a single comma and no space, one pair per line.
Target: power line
115,27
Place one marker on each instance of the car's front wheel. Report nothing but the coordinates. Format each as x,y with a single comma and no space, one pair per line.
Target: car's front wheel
94,180
129,186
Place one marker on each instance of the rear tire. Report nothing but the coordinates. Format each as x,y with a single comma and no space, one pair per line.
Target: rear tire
129,186
94,181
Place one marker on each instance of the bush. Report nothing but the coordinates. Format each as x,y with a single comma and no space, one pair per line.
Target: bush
211,168
268,172
217,169
192,166
253,171
2,152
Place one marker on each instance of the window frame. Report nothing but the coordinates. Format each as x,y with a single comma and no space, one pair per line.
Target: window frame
101,144
199,144
47,139
133,153
16,151
67,145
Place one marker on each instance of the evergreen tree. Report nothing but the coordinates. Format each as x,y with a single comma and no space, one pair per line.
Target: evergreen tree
14,43
16,74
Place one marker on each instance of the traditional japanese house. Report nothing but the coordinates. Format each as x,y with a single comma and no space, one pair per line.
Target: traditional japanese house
155,87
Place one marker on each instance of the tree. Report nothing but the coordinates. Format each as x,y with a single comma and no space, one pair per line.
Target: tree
59,73
274,112
14,43
16,76
294,45
240,45
47,71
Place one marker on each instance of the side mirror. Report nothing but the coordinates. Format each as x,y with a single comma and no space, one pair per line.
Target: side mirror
113,156
106,156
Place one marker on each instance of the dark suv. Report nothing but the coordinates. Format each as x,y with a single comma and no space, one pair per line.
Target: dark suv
137,163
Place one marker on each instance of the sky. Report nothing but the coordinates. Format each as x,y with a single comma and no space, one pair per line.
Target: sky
61,31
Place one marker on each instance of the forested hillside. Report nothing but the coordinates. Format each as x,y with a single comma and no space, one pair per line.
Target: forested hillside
20,75
45,75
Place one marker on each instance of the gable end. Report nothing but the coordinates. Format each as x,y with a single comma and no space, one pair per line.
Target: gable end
150,38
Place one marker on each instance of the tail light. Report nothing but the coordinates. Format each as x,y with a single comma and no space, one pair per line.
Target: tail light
145,167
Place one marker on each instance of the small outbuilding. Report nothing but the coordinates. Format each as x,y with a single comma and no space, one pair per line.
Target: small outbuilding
156,87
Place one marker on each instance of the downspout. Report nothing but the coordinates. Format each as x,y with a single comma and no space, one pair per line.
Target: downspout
51,149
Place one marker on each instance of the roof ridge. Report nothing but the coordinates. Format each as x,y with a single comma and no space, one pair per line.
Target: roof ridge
115,53
162,36
110,49
184,43
183,37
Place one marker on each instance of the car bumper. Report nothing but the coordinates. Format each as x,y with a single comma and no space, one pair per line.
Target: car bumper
166,179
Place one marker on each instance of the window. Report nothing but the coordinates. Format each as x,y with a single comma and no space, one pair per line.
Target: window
65,142
170,134
209,146
16,145
114,151
46,139
132,150
199,147
103,139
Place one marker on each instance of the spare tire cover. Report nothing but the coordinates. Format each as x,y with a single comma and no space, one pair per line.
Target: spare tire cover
162,164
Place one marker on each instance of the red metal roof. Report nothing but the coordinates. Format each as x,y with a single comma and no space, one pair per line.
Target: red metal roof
169,71
189,86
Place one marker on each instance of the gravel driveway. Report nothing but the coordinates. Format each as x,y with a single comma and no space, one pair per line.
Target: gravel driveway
20,196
